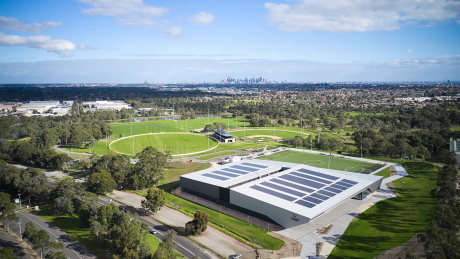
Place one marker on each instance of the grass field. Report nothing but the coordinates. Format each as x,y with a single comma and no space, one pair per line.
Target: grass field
392,222
176,143
322,161
385,173
279,132
172,126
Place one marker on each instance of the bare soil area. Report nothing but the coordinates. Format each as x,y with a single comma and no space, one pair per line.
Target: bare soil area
290,246
392,188
265,136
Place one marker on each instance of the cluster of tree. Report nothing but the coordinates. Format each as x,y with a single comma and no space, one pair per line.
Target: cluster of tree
7,253
167,246
214,126
325,142
441,237
407,144
28,182
7,208
40,242
198,225
26,153
259,121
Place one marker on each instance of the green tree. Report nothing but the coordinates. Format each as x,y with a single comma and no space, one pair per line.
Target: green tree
96,229
168,242
102,182
7,214
199,224
151,164
154,200
29,232
144,251
297,141
7,253
161,253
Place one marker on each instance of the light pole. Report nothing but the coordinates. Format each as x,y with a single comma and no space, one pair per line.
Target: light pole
268,226
361,149
228,123
20,201
274,130
301,130
186,125
319,130
105,135
208,124
20,229
284,119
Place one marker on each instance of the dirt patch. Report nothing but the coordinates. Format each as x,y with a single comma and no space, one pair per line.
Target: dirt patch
290,246
392,170
324,230
412,245
392,188
265,136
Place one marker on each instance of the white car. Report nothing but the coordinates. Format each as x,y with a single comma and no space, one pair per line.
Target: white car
153,231
237,256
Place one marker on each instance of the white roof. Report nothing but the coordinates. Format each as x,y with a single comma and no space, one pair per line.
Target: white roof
231,174
282,182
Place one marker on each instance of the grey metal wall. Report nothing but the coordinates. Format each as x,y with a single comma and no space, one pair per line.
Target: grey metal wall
285,218
204,188
376,185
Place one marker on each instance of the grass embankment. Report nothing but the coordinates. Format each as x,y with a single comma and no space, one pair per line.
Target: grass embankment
392,222
216,155
175,143
385,173
99,148
75,227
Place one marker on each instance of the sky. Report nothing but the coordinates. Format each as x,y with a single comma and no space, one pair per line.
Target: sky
131,41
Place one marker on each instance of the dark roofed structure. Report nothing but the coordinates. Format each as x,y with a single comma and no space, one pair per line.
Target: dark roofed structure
223,136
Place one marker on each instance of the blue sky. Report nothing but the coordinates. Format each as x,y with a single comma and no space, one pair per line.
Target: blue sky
184,41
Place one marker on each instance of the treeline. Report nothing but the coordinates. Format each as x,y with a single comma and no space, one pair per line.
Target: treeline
441,237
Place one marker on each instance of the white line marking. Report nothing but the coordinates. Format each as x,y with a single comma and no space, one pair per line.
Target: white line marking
54,234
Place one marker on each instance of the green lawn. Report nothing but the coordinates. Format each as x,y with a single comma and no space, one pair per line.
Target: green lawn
99,148
216,155
385,173
390,223
269,132
256,234
177,143
321,161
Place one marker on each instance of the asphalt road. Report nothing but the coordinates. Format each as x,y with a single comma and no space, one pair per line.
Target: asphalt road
7,241
73,249
184,245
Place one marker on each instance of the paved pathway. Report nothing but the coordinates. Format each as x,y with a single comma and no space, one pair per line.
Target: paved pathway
8,241
340,217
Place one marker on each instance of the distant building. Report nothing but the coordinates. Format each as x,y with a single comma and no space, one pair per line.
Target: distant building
223,136
106,105
454,146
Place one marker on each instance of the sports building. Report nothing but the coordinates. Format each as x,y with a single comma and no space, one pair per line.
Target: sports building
285,194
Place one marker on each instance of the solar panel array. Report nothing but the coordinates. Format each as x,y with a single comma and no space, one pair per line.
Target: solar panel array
318,187
234,171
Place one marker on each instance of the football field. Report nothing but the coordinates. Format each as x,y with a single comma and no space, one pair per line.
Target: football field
175,143
322,161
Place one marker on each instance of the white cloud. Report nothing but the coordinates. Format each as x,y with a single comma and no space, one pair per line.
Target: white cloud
175,30
409,51
128,12
357,15
61,47
82,46
458,22
13,24
202,18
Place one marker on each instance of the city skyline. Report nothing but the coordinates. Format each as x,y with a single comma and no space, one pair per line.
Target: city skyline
181,41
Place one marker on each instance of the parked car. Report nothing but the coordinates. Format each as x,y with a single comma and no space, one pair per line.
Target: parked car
237,256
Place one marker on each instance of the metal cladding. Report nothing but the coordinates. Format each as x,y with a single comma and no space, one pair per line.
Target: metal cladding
287,194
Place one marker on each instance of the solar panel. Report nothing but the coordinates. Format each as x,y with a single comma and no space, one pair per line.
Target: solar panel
295,186
306,204
313,200
330,194
344,184
302,181
349,181
332,190
234,171
216,177
249,169
330,177
311,177
271,192
319,196
340,187
283,189
254,165
225,173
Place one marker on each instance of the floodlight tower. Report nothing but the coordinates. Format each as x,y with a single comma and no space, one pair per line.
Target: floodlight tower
301,130
319,130
208,124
